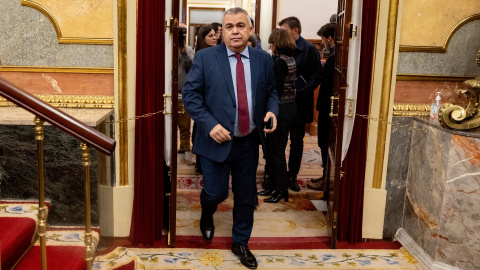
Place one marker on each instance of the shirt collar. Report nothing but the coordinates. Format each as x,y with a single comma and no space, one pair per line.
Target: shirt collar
300,43
244,52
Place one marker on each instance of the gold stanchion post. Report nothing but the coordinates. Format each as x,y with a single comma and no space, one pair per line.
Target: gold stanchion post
89,252
42,210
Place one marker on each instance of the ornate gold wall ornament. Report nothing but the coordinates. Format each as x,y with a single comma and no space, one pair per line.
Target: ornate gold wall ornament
64,101
455,116
411,110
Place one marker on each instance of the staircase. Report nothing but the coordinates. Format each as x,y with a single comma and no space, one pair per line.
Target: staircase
25,242
20,245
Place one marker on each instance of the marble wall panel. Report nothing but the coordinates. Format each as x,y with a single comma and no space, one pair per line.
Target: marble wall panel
459,60
459,239
63,172
416,227
426,184
425,92
62,83
28,38
398,159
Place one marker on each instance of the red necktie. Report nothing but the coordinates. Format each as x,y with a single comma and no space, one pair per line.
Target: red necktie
243,115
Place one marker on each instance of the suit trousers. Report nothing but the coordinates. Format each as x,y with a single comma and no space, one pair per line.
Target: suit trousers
297,133
184,123
323,135
276,163
242,163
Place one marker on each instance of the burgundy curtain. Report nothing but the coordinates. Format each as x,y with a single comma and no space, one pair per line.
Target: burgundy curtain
146,226
352,187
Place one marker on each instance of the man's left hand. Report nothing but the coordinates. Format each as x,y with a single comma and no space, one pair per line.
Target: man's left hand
274,126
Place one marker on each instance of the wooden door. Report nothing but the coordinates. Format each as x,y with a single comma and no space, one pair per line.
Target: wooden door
337,113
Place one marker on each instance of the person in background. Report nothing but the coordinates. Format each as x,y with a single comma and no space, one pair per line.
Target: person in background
307,61
325,52
184,120
283,47
230,93
258,43
190,51
252,41
327,34
205,39
218,31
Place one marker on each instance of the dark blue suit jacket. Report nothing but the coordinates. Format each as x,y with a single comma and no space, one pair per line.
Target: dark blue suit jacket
209,98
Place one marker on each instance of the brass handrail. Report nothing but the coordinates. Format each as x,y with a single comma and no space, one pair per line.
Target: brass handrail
42,210
57,118
88,136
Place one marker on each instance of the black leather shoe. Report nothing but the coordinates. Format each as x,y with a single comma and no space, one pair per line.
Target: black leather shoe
246,257
266,192
207,227
294,184
316,180
267,182
277,196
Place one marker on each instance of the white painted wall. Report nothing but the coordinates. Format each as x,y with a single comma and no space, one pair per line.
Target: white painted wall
313,14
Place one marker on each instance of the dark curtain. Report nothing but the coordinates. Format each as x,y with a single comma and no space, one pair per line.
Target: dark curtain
352,187
147,213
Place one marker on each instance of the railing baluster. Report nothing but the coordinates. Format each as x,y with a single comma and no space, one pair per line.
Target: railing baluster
42,210
89,252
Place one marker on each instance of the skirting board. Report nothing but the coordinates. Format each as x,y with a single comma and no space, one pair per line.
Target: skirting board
420,255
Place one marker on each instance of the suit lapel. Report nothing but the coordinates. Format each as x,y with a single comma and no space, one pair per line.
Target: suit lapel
224,65
254,68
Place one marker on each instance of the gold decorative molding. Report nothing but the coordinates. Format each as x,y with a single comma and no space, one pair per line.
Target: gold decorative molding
122,91
440,49
421,77
385,94
411,109
64,101
56,26
40,69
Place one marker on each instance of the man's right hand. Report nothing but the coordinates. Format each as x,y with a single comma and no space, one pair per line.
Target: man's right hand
220,134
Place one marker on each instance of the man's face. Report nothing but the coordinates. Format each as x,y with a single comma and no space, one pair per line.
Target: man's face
293,32
236,31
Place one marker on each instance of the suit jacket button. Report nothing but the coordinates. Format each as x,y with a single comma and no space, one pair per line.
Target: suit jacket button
234,105
233,123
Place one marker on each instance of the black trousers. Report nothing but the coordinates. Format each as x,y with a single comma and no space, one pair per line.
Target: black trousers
276,163
323,135
297,133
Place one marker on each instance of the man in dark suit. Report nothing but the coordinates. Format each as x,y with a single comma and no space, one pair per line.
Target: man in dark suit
327,34
230,93
307,60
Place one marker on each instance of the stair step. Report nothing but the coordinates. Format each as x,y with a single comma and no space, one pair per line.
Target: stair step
18,225
16,236
65,250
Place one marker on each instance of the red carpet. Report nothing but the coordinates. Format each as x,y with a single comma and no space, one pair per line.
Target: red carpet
16,235
58,258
